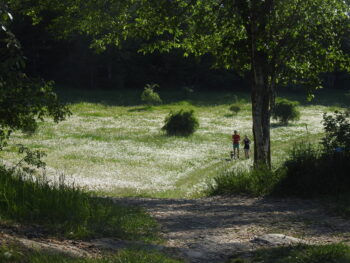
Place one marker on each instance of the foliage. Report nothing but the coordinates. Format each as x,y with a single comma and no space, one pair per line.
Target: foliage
23,100
285,111
68,210
255,182
149,96
314,171
332,253
311,172
181,123
337,129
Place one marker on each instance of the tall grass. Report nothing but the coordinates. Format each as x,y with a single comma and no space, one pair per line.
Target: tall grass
311,172
254,182
68,210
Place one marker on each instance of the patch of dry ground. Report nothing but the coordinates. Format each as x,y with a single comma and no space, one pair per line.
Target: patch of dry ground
211,229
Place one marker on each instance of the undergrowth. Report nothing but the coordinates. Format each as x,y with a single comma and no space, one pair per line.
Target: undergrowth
68,210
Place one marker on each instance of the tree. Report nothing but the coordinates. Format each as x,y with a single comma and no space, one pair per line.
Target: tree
269,42
23,100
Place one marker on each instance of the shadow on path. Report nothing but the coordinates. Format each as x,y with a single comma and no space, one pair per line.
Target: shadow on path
217,227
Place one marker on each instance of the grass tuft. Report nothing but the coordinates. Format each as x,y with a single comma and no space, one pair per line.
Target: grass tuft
254,182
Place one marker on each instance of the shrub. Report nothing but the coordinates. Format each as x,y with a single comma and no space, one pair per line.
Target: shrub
285,111
181,123
149,96
235,108
254,182
310,172
337,128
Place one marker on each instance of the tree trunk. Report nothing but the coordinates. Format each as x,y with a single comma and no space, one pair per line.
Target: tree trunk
261,101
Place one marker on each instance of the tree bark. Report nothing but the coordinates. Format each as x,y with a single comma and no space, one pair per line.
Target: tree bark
261,101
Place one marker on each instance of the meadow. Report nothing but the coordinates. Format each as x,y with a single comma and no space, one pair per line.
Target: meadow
113,145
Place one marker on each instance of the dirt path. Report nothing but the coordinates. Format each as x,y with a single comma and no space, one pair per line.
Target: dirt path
211,229
208,229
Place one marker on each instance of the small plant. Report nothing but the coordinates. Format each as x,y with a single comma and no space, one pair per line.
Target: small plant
181,123
149,96
286,111
252,182
235,108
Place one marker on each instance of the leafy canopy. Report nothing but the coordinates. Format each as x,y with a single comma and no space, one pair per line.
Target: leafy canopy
23,100
299,38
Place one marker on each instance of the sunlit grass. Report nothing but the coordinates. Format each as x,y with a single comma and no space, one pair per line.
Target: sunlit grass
120,150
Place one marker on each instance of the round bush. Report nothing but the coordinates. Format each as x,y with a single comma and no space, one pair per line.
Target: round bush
285,111
235,108
149,96
181,123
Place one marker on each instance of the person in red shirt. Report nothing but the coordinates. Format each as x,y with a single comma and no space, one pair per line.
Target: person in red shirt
235,140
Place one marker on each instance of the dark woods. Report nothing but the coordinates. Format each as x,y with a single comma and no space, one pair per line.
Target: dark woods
73,63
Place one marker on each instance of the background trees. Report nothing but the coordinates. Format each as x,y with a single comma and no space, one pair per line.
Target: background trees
23,100
269,43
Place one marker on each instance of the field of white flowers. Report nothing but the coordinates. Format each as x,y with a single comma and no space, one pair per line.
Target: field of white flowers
121,150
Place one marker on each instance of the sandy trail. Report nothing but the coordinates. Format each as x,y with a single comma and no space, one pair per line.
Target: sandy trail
211,229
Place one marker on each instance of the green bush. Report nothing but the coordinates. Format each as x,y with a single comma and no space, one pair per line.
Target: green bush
285,111
149,96
312,170
254,182
181,123
337,129
235,108
68,210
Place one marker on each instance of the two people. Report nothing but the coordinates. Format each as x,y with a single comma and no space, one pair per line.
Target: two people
236,140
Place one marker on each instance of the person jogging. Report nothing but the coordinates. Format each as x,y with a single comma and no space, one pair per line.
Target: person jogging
235,140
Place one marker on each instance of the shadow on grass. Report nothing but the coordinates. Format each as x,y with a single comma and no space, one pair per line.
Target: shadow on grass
278,125
334,253
131,97
141,109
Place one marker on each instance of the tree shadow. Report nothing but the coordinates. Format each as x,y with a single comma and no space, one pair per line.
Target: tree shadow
184,215
278,125
140,109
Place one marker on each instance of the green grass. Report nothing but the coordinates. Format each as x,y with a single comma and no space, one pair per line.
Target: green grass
69,211
115,146
14,253
255,182
335,253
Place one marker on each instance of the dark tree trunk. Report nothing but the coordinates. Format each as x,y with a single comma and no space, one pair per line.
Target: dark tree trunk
261,101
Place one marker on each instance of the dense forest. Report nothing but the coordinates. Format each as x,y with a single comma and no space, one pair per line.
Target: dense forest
71,62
